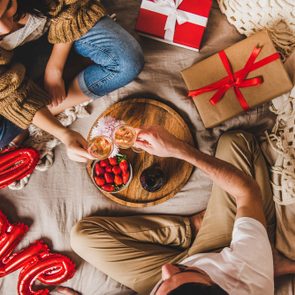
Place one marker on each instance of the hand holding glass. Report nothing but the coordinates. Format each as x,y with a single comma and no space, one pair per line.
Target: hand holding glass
100,147
124,137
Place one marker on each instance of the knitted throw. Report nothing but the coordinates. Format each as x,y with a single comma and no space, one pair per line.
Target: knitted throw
282,140
278,17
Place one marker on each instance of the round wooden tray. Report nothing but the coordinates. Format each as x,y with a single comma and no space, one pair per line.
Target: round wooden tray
146,112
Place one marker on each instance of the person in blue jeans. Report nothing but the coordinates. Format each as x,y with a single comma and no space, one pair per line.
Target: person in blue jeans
115,59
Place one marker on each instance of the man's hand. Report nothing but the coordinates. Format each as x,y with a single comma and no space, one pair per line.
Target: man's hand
66,291
157,141
55,86
76,146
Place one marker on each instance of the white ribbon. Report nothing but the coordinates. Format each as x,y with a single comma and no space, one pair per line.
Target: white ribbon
174,15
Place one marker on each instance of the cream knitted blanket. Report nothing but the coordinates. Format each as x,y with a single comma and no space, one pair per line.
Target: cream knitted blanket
277,16
282,140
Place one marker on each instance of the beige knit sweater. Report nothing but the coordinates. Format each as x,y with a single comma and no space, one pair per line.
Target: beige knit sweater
20,98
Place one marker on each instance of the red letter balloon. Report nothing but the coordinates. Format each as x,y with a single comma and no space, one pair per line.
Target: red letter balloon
36,261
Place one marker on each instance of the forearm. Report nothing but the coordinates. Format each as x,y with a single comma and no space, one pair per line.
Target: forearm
157,141
241,186
47,122
59,56
225,175
75,143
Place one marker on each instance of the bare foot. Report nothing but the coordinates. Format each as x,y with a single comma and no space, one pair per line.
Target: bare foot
196,220
66,291
282,265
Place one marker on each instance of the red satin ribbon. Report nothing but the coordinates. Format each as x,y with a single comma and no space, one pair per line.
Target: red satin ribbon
236,80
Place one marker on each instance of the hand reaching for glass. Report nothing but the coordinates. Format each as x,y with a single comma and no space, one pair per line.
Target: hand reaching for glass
76,146
159,142
125,136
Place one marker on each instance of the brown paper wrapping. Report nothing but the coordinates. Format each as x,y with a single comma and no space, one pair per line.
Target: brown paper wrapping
275,80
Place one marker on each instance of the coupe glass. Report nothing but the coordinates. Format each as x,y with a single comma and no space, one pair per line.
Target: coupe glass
124,137
100,147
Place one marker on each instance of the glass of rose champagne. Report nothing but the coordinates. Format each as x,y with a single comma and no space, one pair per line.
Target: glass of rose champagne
124,137
100,147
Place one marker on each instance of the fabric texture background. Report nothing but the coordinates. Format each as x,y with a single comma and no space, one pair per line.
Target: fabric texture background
55,200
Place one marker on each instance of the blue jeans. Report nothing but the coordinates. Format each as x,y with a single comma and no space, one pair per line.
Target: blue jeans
8,131
116,55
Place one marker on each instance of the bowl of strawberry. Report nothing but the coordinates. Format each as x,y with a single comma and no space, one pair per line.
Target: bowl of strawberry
112,175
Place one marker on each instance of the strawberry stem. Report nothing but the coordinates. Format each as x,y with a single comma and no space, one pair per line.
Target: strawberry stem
121,157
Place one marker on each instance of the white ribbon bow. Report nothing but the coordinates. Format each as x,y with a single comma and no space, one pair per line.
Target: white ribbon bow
174,15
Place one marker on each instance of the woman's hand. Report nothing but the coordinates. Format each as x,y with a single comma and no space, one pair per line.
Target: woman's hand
55,86
157,141
76,146
75,143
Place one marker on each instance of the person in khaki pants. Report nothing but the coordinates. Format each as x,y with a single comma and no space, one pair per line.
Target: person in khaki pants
135,250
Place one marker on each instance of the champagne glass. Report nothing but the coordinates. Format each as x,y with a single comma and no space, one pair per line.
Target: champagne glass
124,137
100,147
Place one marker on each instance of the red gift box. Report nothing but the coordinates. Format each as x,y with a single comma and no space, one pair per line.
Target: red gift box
178,22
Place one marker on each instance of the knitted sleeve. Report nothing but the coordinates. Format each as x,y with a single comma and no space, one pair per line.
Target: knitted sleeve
20,98
70,19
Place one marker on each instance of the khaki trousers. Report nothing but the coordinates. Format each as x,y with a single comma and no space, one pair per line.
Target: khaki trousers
132,249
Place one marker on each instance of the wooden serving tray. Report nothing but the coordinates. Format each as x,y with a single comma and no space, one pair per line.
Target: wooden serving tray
146,112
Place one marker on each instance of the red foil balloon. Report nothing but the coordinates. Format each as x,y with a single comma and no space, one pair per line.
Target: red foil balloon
16,163
36,261
3,223
51,269
23,258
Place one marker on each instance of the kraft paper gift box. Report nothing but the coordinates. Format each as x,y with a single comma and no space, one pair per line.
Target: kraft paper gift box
178,22
245,75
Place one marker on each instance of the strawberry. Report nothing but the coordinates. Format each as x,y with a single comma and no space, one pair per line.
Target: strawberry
113,161
109,177
124,165
108,168
117,170
108,187
126,176
99,170
99,180
104,163
118,180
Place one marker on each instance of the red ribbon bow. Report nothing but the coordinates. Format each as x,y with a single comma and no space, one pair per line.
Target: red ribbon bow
236,80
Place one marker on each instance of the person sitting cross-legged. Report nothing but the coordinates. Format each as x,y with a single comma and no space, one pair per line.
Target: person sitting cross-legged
227,251
55,55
